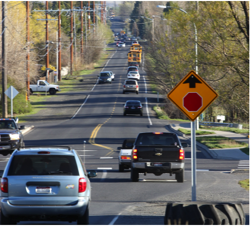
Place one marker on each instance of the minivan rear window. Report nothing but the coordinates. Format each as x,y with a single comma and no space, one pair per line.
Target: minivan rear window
43,165
130,82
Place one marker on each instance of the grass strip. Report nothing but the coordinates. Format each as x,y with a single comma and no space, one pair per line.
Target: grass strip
160,113
244,184
214,142
197,132
229,129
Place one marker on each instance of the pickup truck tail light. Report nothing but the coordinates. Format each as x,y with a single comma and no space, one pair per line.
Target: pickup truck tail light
136,86
4,185
181,154
82,185
134,154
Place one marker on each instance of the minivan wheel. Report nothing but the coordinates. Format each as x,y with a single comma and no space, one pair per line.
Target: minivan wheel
84,219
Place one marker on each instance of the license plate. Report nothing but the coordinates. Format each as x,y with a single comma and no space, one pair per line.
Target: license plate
43,190
132,107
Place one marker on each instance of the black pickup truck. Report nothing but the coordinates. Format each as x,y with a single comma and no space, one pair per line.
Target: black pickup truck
158,153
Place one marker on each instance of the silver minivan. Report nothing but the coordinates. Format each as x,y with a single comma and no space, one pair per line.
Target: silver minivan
41,184
130,85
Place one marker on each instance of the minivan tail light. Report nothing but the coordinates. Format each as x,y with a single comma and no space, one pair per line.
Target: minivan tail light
4,185
134,154
181,154
82,185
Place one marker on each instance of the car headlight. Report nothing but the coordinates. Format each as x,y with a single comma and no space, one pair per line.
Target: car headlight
14,136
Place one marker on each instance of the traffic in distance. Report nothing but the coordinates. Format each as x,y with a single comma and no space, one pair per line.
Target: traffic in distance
63,183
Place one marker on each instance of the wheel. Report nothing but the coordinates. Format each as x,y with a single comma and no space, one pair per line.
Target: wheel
124,114
121,168
134,175
84,219
180,176
7,220
123,92
52,91
137,92
31,92
202,213
141,114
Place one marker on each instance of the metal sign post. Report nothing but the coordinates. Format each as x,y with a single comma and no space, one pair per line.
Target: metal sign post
192,95
11,92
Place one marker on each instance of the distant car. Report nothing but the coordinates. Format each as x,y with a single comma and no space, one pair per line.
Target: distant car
130,86
132,68
105,77
134,75
44,184
133,107
121,44
133,64
134,42
112,75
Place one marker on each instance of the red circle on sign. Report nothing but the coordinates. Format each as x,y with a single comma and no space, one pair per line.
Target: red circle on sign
192,101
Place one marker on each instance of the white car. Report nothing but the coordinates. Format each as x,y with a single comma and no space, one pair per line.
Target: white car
121,44
134,75
112,75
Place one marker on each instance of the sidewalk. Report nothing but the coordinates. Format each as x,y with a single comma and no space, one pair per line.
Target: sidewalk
229,153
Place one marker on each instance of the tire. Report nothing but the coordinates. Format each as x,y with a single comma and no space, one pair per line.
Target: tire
198,213
141,114
52,91
121,168
31,92
180,176
7,220
137,92
123,92
84,219
124,114
134,175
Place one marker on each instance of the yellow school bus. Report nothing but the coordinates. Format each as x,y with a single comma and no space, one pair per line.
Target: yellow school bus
134,56
136,47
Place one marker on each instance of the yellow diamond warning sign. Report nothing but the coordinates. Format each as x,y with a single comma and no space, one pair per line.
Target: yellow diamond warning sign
192,95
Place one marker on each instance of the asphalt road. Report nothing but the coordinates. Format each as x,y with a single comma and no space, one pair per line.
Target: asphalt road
100,122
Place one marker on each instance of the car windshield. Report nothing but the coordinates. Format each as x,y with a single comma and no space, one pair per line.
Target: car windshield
43,165
130,82
149,139
105,75
7,124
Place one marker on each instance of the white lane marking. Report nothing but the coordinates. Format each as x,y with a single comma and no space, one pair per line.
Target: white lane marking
146,100
81,106
114,220
106,157
202,169
86,155
104,175
104,168
146,91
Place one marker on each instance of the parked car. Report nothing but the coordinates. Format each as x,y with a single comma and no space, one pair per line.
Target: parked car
45,184
133,107
130,86
11,136
132,68
105,77
44,86
134,75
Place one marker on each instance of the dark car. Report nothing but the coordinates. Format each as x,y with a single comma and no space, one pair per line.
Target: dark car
105,77
132,68
45,184
133,107
11,136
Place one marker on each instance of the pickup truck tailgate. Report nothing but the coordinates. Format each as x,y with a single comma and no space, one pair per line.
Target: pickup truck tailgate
158,153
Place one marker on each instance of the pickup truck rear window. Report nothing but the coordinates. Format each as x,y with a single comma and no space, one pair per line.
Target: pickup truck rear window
43,165
151,139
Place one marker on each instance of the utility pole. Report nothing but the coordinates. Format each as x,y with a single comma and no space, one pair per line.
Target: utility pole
4,65
94,14
88,15
71,38
82,32
86,52
104,14
74,35
101,11
47,41
59,42
28,51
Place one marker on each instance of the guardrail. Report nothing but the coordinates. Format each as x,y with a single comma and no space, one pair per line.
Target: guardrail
220,124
